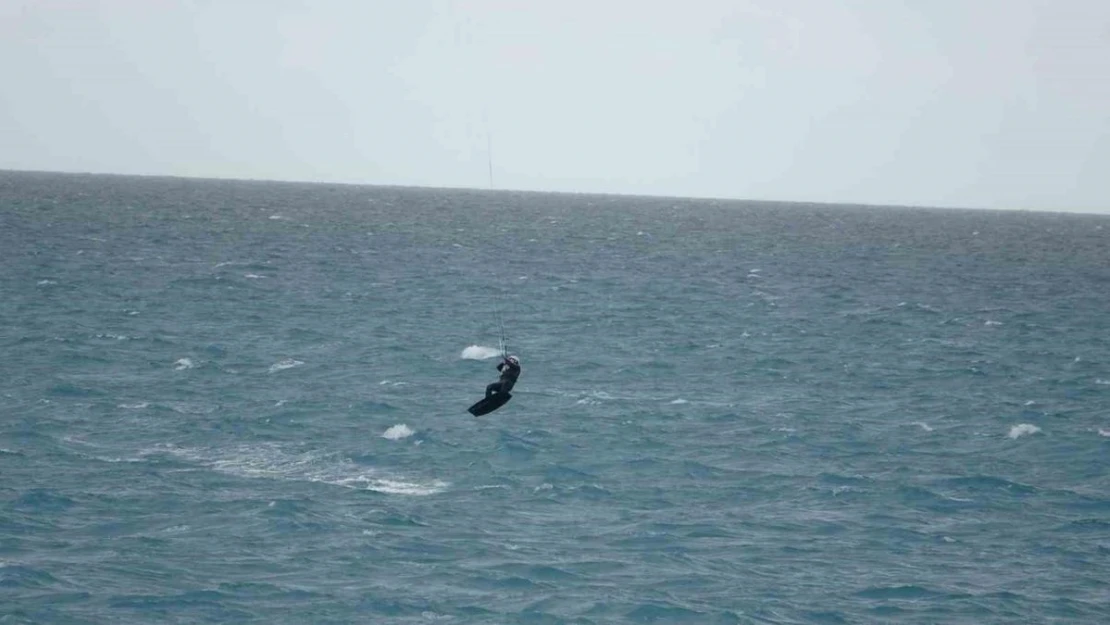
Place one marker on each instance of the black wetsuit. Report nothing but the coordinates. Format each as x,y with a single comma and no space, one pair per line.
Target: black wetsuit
509,374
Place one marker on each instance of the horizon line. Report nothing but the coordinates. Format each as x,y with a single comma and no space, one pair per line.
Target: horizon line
504,190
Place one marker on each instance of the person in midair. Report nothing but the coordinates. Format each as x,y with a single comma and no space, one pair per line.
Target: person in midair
510,371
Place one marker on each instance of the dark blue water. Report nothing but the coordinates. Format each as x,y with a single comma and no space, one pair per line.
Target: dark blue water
246,402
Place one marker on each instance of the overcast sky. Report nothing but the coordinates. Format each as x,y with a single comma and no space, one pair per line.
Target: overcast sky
967,103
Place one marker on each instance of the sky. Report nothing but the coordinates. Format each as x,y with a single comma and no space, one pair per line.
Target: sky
951,103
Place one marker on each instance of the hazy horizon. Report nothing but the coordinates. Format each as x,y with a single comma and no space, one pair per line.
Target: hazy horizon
1000,105
614,194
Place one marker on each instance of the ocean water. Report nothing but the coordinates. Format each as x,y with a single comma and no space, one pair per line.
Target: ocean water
245,402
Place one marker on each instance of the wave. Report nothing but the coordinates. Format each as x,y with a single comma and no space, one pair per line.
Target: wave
664,612
288,363
273,462
906,592
397,432
1022,429
987,484
479,352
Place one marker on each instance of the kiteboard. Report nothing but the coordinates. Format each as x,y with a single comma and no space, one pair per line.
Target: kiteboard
487,405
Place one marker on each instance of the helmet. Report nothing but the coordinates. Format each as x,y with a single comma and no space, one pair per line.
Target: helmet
513,360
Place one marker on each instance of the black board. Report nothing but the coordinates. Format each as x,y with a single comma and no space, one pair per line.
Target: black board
487,405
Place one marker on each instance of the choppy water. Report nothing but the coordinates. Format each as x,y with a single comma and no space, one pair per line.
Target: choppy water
245,402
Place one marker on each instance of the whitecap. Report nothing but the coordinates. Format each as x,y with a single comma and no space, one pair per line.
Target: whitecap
273,462
253,276
991,322
138,406
491,487
924,426
182,364
596,397
479,352
182,407
397,432
394,487
1102,432
288,363
680,401
1023,429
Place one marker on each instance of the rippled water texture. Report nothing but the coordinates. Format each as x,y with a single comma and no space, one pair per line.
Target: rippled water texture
246,402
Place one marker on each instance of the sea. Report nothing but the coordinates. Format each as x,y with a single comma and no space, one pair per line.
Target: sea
246,402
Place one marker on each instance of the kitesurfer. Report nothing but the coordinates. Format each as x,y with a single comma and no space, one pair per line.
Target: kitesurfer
510,371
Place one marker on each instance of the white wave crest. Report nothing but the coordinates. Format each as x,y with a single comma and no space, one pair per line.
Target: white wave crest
183,363
273,462
1022,429
479,352
924,426
398,432
288,363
